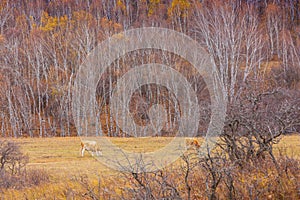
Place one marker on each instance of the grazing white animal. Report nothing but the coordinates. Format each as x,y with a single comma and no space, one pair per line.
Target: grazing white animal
90,146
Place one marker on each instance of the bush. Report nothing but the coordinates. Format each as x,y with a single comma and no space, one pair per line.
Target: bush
13,173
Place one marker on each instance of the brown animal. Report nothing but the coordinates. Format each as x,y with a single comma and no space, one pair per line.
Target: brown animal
193,143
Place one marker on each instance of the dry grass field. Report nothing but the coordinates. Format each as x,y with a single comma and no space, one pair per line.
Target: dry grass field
60,158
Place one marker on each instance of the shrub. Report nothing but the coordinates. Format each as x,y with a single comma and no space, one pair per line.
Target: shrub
13,173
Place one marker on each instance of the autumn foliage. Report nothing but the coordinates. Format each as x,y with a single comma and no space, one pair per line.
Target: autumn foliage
42,44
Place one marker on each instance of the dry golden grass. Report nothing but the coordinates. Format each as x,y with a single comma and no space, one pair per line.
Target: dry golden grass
289,145
60,157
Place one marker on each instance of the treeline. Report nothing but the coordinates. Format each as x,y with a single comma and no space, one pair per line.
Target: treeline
255,46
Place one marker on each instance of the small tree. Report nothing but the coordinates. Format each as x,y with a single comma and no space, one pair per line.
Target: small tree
12,164
11,158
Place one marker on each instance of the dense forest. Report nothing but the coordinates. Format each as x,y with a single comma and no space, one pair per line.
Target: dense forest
255,45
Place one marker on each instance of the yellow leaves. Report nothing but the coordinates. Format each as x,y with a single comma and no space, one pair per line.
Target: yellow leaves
119,36
49,23
63,21
55,23
179,8
259,178
153,4
121,5
32,22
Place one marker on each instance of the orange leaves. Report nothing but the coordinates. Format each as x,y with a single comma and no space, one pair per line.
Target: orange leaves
2,39
82,17
109,24
192,144
21,22
272,9
110,27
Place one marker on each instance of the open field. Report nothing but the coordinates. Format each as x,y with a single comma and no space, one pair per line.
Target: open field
60,158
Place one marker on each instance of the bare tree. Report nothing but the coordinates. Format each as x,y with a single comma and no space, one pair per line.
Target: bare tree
232,37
